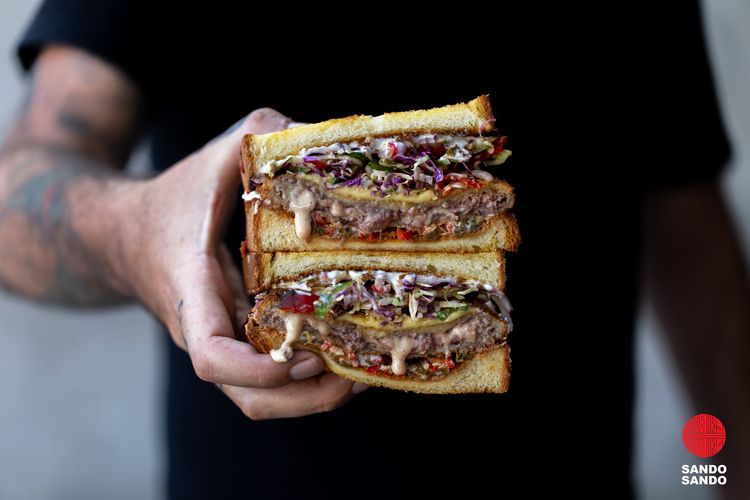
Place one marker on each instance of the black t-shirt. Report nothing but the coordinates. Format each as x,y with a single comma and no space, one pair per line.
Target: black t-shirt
600,107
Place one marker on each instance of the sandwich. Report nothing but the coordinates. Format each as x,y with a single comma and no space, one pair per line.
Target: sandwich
379,244
417,181
424,322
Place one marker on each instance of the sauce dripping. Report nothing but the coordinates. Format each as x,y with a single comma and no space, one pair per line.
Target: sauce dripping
401,346
294,323
302,203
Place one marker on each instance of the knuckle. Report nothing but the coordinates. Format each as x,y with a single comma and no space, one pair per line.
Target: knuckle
249,412
330,404
203,367
263,376
261,114
266,120
252,411
327,407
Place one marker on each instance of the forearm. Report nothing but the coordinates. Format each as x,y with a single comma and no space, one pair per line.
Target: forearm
699,284
63,219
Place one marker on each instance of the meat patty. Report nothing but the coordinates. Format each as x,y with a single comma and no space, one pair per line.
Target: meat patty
427,342
465,211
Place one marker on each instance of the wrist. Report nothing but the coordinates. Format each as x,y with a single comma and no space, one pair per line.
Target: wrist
116,228
140,252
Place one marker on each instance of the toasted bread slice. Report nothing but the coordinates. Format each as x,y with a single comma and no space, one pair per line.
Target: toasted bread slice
262,270
270,230
486,372
473,118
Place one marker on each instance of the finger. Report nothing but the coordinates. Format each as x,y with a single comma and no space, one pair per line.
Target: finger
234,280
225,360
264,120
217,356
314,395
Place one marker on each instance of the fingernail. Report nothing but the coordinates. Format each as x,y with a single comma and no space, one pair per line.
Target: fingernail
295,124
306,369
357,388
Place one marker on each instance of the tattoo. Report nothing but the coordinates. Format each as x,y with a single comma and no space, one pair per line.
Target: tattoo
41,198
82,104
179,319
75,123
112,148
37,208
79,116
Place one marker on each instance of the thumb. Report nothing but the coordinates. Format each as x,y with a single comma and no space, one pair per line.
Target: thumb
218,167
260,121
264,120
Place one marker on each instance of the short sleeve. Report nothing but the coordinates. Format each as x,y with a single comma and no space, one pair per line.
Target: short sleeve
681,114
117,31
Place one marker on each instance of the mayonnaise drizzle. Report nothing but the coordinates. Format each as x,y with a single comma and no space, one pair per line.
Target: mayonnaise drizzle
294,323
252,195
302,203
401,346
464,332
249,197
337,209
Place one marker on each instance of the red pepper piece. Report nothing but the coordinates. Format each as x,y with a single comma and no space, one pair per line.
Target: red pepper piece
404,234
298,303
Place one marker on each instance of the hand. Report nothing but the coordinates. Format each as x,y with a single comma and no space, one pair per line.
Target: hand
188,279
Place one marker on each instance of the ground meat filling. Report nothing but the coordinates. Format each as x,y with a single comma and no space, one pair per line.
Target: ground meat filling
455,215
434,351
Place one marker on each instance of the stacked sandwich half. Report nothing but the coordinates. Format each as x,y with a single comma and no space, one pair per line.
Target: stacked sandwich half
378,243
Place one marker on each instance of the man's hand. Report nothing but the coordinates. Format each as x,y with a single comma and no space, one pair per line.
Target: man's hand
191,283
75,231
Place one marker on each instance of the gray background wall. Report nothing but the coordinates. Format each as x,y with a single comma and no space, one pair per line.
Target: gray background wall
80,392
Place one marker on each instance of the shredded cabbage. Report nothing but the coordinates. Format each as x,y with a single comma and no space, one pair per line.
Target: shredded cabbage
392,296
398,164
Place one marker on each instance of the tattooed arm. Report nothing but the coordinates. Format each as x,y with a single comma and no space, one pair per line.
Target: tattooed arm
75,231
61,197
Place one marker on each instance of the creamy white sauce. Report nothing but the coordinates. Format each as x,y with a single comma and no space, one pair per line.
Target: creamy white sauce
269,168
458,149
252,195
337,209
463,332
249,197
401,346
388,147
294,323
302,203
